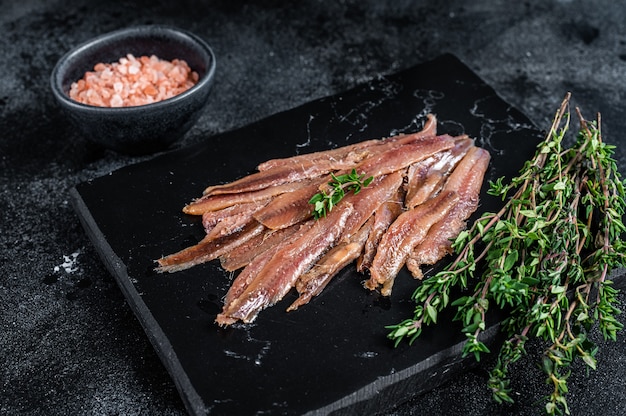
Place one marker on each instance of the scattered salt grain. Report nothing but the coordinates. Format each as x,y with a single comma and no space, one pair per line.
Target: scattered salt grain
133,81
69,263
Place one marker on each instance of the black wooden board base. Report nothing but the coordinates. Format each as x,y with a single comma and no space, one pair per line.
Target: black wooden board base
332,355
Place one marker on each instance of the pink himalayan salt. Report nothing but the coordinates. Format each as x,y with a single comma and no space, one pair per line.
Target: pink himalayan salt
133,81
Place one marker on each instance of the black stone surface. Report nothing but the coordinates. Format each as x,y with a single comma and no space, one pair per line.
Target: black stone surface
355,369
70,343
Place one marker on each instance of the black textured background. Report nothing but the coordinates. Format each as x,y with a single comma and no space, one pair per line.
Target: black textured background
69,343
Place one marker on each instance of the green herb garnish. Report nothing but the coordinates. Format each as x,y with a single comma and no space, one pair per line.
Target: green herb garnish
324,201
544,258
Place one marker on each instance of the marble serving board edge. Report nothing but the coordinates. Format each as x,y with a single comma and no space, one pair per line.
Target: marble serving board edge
176,312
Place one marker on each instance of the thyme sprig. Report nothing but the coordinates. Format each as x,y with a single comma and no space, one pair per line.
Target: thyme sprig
544,258
324,201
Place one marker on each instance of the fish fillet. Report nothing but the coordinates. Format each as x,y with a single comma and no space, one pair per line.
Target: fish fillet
383,217
347,156
206,250
408,230
211,218
245,253
280,272
220,201
466,180
312,283
431,181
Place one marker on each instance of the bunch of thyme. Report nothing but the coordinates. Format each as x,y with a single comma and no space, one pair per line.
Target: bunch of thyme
544,258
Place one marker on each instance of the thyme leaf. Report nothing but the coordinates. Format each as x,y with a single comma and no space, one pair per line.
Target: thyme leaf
324,201
544,258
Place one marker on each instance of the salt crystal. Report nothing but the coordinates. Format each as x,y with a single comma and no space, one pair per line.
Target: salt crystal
116,101
69,263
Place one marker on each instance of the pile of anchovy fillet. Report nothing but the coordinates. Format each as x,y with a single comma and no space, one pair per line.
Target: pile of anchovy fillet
422,188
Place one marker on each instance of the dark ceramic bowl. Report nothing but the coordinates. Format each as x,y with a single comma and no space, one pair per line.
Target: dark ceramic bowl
140,129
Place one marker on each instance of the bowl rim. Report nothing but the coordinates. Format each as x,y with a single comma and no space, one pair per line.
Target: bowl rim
55,77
